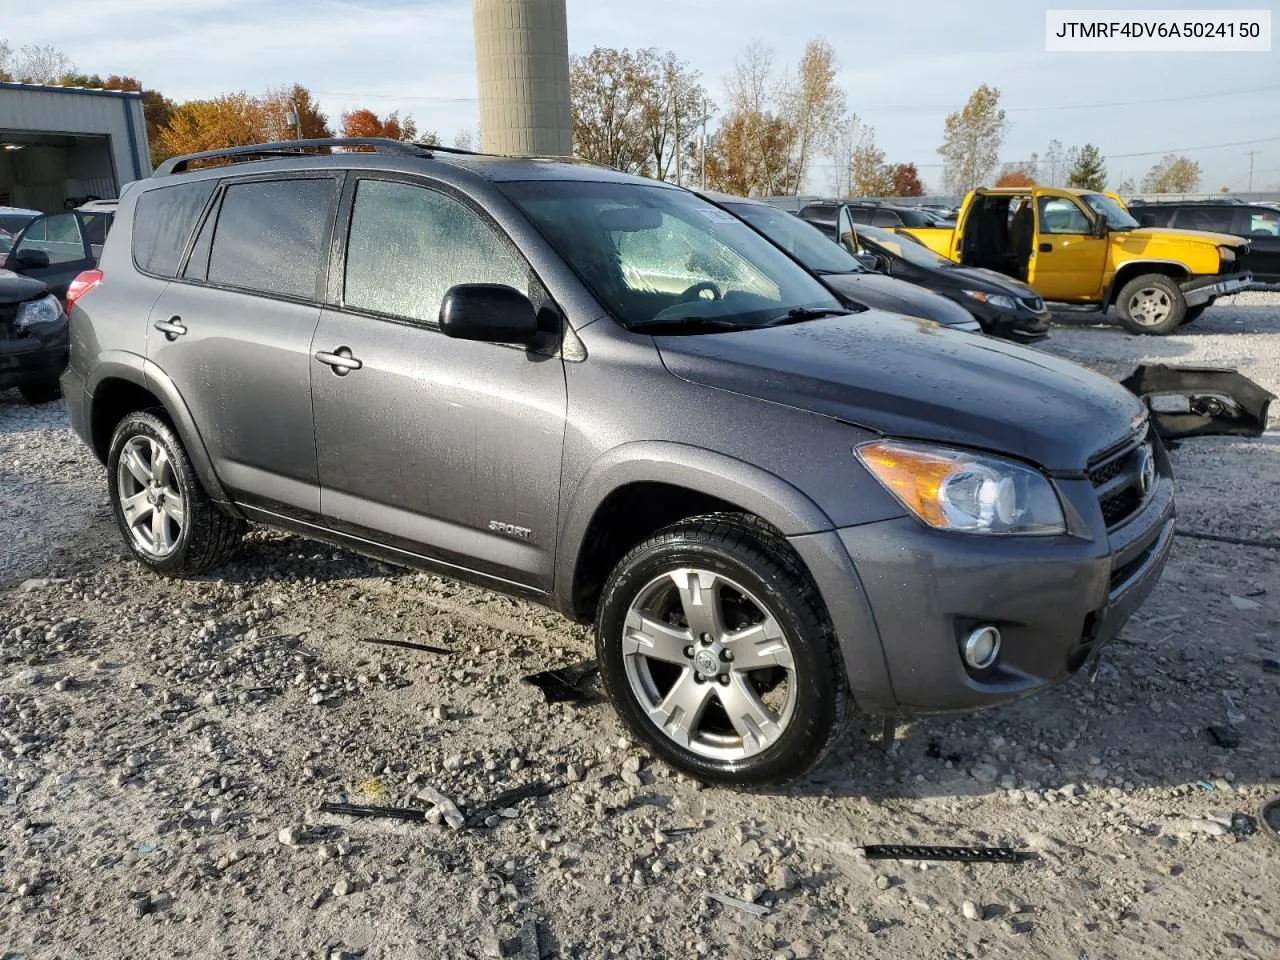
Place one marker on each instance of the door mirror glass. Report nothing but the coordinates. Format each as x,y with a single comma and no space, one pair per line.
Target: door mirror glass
488,312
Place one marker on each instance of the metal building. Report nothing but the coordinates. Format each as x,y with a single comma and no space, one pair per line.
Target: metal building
522,57
62,145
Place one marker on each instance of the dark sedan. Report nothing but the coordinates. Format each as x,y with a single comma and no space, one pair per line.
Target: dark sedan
840,271
1005,307
33,338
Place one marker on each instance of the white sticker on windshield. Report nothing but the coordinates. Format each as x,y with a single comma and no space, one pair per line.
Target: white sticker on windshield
718,216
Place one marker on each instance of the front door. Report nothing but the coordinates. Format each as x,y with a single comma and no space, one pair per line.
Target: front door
448,449
55,249
234,332
1261,227
1067,261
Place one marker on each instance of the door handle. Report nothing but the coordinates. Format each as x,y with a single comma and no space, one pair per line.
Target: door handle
1046,248
171,328
340,360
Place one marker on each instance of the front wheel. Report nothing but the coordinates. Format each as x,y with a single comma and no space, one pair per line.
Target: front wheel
166,519
716,650
1151,303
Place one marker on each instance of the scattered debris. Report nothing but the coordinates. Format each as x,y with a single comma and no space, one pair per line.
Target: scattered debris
1226,737
508,799
567,684
971,910
530,947
961,854
1200,401
357,810
1244,603
39,583
746,906
1234,716
1269,816
1270,665
407,644
444,806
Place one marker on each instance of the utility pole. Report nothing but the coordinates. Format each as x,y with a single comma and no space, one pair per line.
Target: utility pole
704,143
1251,153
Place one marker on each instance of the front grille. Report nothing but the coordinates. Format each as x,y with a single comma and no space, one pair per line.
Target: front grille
1116,475
1034,304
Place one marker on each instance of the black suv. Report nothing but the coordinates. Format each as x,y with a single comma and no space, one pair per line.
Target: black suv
608,395
1257,223
871,213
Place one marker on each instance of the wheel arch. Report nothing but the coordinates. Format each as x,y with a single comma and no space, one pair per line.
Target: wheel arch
1137,268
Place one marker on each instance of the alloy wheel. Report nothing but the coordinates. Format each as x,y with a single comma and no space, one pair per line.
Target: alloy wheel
150,499
709,664
1150,306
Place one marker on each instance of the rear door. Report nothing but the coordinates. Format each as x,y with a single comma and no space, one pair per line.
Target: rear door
1067,261
55,249
233,331
1261,225
448,449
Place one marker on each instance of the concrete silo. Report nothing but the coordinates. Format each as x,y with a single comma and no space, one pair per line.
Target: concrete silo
522,57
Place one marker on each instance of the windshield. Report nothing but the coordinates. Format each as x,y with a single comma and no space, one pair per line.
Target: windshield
656,255
802,240
907,248
1115,215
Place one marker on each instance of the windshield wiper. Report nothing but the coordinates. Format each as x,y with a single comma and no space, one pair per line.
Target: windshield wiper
719,323
801,314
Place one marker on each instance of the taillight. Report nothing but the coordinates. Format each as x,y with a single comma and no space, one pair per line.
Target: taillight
81,285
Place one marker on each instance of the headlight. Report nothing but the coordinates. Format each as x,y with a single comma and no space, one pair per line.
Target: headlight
997,300
1227,254
962,491
45,310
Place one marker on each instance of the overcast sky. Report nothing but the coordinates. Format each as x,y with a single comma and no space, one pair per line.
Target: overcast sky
905,65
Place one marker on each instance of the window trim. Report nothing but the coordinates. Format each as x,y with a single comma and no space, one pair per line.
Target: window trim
214,209
186,248
335,294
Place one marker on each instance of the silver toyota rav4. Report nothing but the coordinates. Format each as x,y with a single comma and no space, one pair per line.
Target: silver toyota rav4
607,395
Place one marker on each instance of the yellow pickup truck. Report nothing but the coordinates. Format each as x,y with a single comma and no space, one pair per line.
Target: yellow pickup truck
1081,247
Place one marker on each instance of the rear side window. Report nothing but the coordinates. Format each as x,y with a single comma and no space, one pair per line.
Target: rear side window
270,236
1213,219
1264,223
162,221
408,245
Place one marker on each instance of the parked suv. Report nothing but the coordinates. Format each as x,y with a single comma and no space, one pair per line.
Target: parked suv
870,212
607,395
1257,223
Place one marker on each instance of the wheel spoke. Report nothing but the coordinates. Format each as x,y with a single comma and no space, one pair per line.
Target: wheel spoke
136,465
748,714
700,600
759,646
161,468
646,636
136,508
172,507
680,711
160,540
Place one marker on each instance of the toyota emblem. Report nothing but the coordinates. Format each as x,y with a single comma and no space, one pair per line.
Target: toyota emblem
1146,472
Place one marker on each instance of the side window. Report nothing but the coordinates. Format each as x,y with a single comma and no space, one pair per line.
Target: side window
57,236
408,245
1060,215
1263,223
162,221
270,236
885,218
858,214
1213,219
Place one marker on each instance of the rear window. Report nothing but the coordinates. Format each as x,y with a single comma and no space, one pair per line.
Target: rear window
270,236
162,222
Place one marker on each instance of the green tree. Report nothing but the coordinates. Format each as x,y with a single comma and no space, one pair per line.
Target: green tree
1090,172
971,140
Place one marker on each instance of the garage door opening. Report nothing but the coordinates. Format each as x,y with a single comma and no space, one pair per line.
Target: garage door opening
52,172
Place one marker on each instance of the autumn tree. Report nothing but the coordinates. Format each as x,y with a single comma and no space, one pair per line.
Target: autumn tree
869,175
609,91
277,104
366,123
1014,178
815,104
906,181
1089,172
1172,174
748,154
233,119
971,140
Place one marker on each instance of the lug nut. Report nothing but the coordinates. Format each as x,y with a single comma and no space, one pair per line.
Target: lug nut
724,679
726,656
706,639
688,652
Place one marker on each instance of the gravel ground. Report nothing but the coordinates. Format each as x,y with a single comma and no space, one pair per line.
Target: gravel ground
165,745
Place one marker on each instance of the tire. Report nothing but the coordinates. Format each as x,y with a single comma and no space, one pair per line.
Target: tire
40,391
800,703
155,477
1193,313
1151,304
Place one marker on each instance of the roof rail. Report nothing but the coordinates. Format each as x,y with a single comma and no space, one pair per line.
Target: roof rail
293,148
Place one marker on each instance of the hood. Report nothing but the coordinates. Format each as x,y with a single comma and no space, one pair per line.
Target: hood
915,380
15,288
896,296
989,281
1157,234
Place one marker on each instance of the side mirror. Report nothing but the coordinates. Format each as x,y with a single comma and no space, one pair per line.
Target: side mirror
488,312
1099,228
28,260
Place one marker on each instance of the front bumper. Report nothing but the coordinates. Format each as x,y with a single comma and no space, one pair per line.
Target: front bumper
1056,600
1203,289
1021,325
38,353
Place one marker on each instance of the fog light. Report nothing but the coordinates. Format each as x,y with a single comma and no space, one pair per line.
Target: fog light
982,647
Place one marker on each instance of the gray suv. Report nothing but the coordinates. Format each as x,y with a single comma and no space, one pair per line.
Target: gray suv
607,395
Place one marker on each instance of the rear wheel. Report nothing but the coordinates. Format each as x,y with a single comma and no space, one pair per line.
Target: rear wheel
716,650
40,391
1151,303
166,519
